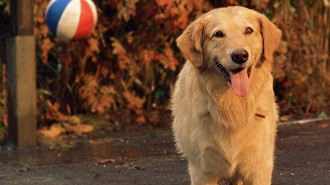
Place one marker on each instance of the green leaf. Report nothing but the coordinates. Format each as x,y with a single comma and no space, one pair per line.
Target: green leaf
311,22
322,115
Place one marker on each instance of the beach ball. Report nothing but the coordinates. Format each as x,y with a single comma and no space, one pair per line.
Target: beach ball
71,19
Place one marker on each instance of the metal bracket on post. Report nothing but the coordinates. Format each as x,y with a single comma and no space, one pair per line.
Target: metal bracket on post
21,75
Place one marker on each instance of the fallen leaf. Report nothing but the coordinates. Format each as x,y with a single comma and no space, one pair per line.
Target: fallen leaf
322,125
74,120
78,129
108,160
53,131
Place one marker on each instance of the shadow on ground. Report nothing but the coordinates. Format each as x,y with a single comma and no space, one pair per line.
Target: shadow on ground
148,157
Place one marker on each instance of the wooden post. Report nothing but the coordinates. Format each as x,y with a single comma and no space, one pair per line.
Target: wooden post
21,75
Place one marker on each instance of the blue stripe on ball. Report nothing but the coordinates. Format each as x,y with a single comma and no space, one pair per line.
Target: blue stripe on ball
54,14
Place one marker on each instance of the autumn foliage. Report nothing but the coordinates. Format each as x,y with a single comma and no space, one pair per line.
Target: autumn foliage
126,66
130,62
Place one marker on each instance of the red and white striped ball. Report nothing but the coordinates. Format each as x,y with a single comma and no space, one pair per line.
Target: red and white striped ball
71,19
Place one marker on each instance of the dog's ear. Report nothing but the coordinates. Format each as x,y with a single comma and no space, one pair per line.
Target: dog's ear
271,36
190,41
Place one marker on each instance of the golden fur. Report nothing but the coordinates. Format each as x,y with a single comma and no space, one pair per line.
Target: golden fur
222,135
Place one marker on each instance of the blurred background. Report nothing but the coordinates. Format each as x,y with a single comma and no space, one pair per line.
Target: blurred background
123,74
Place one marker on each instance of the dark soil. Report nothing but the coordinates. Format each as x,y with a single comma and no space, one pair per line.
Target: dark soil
149,157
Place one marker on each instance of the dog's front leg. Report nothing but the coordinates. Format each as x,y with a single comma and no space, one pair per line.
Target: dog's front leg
198,177
260,176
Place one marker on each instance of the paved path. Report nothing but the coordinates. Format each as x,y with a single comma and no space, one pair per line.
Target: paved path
302,158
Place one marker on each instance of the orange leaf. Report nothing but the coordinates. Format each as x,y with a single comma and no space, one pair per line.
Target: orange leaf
45,45
322,125
147,56
127,9
53,131
93,45
53,111
103,103
134,102
44,30
120,51
170,61
104,71
141,119
183,19
108,160
78,129
89,90
108,90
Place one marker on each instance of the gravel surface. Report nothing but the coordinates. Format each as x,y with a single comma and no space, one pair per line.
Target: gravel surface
148,157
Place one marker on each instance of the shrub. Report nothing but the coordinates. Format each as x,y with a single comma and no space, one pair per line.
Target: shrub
130,62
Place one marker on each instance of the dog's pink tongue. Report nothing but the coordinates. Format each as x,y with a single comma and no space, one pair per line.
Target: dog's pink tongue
240,83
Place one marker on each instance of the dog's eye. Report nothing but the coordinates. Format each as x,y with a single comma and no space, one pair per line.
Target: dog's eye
218,34
248,30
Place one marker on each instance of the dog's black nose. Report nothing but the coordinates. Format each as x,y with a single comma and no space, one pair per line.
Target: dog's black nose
240,56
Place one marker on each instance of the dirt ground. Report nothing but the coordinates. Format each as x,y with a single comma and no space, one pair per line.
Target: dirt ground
149,157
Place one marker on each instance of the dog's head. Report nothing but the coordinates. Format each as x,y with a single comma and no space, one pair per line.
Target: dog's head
233,40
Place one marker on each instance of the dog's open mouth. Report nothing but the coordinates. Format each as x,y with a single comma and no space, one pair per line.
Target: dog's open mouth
237,78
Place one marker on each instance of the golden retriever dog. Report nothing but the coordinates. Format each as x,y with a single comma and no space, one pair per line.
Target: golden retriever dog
223,105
